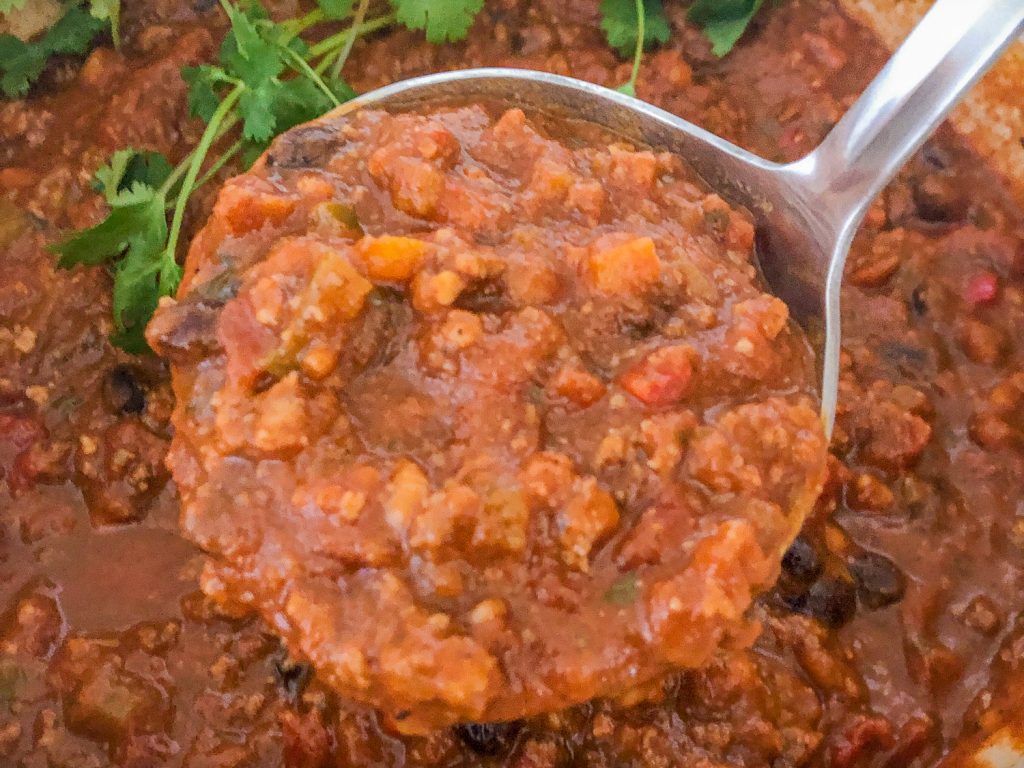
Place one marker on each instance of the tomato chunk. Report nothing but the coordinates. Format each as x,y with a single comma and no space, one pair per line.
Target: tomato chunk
982,288
662,378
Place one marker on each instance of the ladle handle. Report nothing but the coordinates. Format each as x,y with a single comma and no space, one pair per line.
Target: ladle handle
951,47
946,53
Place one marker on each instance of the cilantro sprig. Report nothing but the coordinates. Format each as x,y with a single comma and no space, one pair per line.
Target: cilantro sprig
630,26
266,79
723,21
21,63
133,238
441,20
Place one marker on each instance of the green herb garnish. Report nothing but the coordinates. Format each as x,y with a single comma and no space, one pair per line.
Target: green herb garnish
21,63
132,239
441,19
630,26
723,21
110,11
266,80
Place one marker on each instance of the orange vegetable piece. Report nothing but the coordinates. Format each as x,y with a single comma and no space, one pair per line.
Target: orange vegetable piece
626,268
662,378
391,257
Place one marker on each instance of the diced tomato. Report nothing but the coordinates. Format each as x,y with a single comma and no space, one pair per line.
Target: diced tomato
20,432
662,378
982,288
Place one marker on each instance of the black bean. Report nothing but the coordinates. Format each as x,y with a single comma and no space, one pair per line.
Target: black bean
638,327
802,561
918,301
487,296
489,738
879,581
831,601
123,390
292,676
934,156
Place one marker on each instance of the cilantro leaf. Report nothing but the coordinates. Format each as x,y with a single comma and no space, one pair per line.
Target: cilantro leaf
133,237
333,9
73,32
254,55
246,53
250,55
203,82
723,21
21,63
128,223
298,101
128,167
256,105
251,152
441,19
620,24
251,87
140,279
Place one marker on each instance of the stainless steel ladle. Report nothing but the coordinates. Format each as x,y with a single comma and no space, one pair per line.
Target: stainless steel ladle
807,212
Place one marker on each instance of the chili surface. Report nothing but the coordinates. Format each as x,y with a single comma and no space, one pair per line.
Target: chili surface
891,636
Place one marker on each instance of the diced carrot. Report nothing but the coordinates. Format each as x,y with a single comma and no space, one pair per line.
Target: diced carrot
390,257
625,268
246,210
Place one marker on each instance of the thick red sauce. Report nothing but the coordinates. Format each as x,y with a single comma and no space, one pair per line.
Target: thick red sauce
891,637
487,418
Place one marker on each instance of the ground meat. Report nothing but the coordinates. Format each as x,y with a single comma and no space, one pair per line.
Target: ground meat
805,695
444,505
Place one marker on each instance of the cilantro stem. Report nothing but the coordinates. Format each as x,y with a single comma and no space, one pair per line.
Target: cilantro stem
223,160
329,44
638,52
182,167
302,66
176,174
294,27
115,25
350,41
198,156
